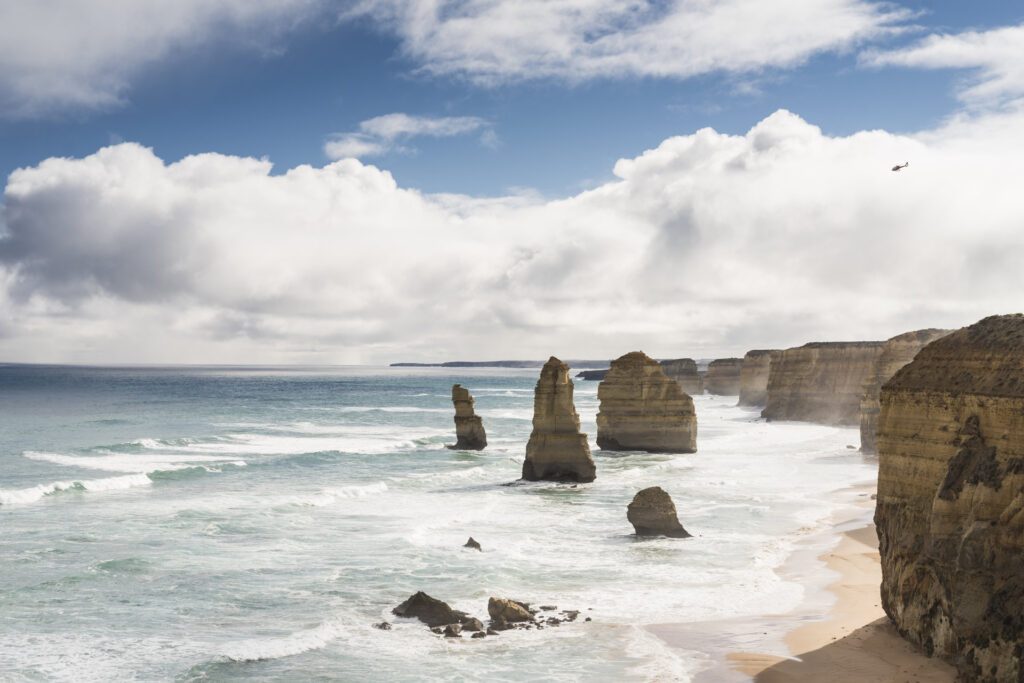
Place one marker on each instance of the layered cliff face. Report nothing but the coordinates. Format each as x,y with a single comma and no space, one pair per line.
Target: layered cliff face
950,509
754,377
557,450
897,352
643,410
469,428
684,371
820,382
723,376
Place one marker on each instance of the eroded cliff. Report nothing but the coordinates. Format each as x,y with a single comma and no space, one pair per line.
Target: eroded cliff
684,371
754,377
723,376
950,509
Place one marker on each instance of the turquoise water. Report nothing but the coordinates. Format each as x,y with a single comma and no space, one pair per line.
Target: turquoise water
198,524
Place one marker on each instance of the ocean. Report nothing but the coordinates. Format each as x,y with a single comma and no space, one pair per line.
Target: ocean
223,524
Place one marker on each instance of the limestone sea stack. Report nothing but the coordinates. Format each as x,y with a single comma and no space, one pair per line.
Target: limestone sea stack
643,410
754,377
684,371
557,450
652,513
821,382
950,508
469,428
897,352
723,376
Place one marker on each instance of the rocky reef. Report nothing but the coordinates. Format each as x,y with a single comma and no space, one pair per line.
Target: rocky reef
652,513
723,376
897,352
684,371
469,428
821,382
950,509
643,410
557,450
592,375
754,377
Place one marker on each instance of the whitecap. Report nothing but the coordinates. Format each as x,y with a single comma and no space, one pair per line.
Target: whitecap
258,649
36,493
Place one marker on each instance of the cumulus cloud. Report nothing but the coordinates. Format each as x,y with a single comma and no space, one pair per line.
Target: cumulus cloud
82,54
996,56
491,41
386,133
708,244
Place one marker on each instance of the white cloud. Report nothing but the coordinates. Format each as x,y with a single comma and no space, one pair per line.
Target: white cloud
491,41
707,244
82,54
383,134
997,57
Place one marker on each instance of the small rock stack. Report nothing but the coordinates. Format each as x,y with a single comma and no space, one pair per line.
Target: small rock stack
557,449
469,428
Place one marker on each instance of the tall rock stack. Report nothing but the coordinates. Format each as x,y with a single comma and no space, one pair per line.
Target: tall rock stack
684,371
557,450
643,410
469,428
950,509
754,377
897,352
821,382
723,376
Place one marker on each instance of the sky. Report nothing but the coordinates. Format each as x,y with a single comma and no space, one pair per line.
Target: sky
369,181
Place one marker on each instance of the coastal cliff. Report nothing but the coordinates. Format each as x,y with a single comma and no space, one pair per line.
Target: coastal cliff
643,410
754,377
557,450
723,376
684,371
898,351
950,509
821,382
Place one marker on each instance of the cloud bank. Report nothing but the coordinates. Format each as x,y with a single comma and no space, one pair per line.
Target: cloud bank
708,244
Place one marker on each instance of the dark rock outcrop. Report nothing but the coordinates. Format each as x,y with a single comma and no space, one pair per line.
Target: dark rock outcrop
430,611
821,382
592,375
723,377
754,376
684,371
897,352
469,428
472,543
643,410
652,513
950,507
557,450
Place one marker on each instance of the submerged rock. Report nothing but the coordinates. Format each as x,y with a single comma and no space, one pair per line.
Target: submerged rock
471,543
754,377
383,626
430,611
509,611
643,410
453,631
684,371
723,378
469,428
652,513
557,450
950,506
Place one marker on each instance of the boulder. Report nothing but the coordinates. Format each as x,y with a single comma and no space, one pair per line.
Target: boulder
508,611
471,543
950,506
557,450
821,382
472,624
684,371
754,377
896,353
652,513
430,611
723,378
643,410
453,631
469,428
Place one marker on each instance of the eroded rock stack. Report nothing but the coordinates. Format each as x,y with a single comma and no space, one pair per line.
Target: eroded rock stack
684,371
723,376
469,428
950,509
643,410
754,377
557,450
652,513
821,382
897,352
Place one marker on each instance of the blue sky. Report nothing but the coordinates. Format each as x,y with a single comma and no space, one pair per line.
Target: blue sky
552,136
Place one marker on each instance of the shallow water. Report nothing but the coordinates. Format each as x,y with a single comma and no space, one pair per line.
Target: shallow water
225,524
